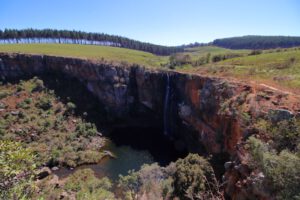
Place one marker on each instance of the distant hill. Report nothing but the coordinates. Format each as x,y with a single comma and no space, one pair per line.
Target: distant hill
257,42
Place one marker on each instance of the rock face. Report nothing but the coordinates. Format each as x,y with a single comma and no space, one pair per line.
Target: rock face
204,113
125,91
193,105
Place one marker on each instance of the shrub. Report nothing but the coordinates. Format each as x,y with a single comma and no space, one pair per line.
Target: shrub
3,95
47,124
58,123
217,58
16,170
86,129
151,181
208,57
68,157
70,108
58,109
179,59
87,186
200,61
194,177
44,103
21,115
38,85
282,170
285,134
88,157
25,104
19,88
28,100
255,52
129,184
285,64
221,57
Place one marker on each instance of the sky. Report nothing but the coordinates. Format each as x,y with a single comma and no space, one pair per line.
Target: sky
165,22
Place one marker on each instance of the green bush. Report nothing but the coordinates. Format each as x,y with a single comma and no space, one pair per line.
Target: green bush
44,103
284,134
86,129
19,88
17,165
38,85
70,108
129,184
188,178
194,177
151,180
282,170
3,94
28,100
86,186
24,104
88,157
255,52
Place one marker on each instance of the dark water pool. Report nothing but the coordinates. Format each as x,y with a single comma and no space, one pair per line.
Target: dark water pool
132,147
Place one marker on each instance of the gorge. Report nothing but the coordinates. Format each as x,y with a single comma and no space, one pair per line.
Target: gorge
189,112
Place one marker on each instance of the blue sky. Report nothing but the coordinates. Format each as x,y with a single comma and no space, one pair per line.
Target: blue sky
167,22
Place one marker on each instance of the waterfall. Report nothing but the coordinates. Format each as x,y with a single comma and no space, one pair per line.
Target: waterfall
166,105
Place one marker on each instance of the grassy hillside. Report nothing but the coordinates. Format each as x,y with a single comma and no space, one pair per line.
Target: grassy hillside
280,68
88,51
213,50
277,67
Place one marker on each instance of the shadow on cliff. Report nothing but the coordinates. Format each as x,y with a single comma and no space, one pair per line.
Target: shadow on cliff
69,89
141,132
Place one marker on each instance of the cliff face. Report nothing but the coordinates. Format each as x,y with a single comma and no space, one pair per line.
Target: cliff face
191,111
204,114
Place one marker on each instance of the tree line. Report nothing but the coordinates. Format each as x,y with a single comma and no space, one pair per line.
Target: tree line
30,35
258,42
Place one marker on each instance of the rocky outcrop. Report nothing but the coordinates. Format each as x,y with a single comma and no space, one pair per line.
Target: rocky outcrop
206,115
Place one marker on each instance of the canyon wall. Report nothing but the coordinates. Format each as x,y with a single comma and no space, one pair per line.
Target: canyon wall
192,107
202,114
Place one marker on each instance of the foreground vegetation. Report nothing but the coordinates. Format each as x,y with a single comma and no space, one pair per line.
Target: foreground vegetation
31,114
188,178
38,133
277,156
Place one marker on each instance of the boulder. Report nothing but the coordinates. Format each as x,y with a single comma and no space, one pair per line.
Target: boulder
279,115
54,168
43,173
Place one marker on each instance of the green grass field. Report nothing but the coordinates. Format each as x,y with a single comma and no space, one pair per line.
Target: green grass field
277,68
273,67
198,52
88,52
